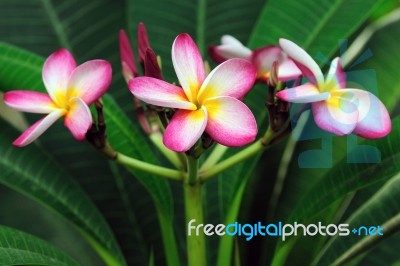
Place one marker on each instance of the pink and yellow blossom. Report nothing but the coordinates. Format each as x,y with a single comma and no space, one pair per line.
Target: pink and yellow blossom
205,103
71,89
335,108
262,58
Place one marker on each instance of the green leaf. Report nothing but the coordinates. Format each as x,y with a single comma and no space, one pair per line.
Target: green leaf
381,209
344,178
20,69
385,61
33,173
316,27
126,138
387,249
19,248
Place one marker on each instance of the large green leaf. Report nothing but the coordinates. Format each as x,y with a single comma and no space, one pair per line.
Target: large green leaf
19,248
126,138
35,174
380,209
385,61
317,27
20,69
344,178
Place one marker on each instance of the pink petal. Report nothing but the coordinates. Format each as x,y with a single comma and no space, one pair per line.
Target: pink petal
127,59
30,101
188,65
303,60
230,40
37,129
264,57
216,55
373,120
160,93
233,48
288,70
230,122
233,78
230,48
56,72
336,74
78,119
184,129
306,93
90,80
336,115
230,51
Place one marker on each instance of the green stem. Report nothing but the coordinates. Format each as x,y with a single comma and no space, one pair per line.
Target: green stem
148,167
173,157
196,246
193,166
140,165
214,157
244,154
169,241
193,190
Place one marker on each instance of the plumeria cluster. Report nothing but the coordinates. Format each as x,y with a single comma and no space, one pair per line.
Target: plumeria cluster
204,105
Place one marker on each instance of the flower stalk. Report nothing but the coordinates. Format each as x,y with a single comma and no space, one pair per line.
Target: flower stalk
246,153
193,193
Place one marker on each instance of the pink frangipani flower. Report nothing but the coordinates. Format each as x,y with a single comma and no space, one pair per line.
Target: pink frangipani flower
204,103
335,108
262,58
71,89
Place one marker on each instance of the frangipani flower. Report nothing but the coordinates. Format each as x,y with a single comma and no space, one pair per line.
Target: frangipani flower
335,108
71,90
204,103
262,58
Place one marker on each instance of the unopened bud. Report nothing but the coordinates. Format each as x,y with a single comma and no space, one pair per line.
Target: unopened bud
141,116
151,67
143,42
126,72
129,69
